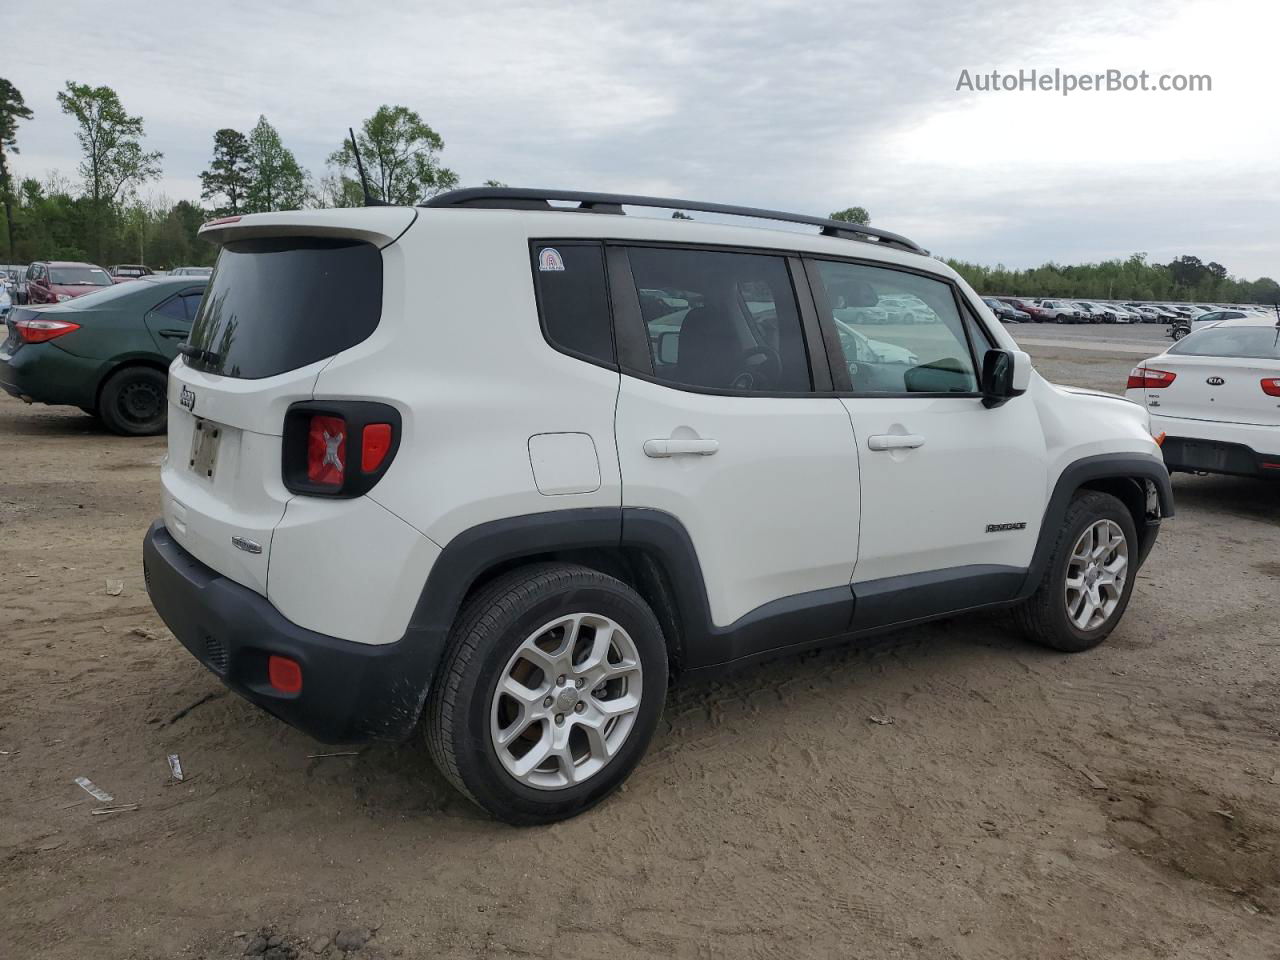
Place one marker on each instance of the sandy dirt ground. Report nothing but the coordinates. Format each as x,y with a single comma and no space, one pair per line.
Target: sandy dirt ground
1119,803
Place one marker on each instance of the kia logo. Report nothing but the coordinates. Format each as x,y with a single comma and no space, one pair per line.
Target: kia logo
1215,381
187,398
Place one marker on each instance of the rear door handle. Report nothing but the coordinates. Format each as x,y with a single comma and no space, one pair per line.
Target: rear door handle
895,441
175,334
678,446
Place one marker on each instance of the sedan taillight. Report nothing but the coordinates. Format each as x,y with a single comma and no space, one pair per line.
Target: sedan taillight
1271,386
41,329
1149,378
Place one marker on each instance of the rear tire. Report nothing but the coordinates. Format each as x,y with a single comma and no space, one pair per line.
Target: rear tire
1078,601
133,402
535,744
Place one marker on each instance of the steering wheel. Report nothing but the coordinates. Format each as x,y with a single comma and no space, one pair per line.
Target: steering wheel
761,367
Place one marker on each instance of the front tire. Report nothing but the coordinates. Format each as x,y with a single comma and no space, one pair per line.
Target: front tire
549,694
1088,579
133,402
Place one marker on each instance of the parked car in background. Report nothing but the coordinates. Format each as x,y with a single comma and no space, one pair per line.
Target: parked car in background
6,300
1062,311
107,353
1029,307
1216,396
191,272
1005,312
1097,312
56,281
129,271
1183,327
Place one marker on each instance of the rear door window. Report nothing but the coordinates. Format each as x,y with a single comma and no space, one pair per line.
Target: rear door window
277,304
721,321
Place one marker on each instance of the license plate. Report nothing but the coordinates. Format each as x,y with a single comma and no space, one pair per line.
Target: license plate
1204,456
204,448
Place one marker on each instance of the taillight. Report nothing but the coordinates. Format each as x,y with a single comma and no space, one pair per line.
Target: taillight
1271,386
41,329
375,444
338,448
327,451
1149,378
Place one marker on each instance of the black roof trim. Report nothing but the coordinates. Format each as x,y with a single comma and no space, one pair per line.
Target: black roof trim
515,198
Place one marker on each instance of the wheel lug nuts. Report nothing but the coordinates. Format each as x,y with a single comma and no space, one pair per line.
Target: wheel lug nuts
559,719
579,682
560,680
547,702
579,707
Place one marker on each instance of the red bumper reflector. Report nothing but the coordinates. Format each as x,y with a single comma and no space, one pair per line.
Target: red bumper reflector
285,674
375,445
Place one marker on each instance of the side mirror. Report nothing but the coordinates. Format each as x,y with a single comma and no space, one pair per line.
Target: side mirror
668,345
1005,374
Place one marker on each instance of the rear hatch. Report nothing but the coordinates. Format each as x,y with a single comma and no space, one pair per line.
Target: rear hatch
288,293
1224,389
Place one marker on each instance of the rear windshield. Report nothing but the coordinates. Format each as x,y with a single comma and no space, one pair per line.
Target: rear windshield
278,304
79,277
1256,342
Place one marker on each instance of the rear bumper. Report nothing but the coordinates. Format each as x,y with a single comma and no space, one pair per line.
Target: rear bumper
1196,455
350,691
44,373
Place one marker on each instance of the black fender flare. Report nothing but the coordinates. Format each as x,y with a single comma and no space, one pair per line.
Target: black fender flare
1106,466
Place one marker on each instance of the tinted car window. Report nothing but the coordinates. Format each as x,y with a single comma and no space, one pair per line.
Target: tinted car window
173,309
1252,342
573,298
724,321
278,304
920,350
191,304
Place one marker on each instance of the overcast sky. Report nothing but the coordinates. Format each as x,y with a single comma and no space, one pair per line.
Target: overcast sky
804,106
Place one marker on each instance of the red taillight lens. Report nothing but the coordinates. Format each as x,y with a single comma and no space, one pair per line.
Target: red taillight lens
1149,378
284,674
1271,386
40,329
327,451
374,445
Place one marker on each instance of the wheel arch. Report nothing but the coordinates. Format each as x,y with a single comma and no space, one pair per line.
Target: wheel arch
1138,481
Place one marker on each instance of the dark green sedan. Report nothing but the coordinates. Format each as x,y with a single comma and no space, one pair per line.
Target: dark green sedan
107,353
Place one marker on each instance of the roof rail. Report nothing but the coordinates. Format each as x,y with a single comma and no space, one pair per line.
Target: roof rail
514,198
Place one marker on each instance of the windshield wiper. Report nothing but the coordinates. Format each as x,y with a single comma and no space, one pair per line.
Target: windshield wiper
198,353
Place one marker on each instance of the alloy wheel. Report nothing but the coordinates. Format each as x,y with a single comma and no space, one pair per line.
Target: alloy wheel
1096,574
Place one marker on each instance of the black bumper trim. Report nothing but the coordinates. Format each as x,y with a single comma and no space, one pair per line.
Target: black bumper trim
351,692
1193,455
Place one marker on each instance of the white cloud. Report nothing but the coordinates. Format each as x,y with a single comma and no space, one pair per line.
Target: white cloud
809,107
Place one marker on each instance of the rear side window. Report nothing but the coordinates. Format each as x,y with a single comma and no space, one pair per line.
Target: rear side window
277,304
721,321
573,299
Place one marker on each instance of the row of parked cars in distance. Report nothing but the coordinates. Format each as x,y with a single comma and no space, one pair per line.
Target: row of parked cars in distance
1058,310
57,281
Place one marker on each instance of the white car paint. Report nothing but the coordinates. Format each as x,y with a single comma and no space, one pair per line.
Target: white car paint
796,497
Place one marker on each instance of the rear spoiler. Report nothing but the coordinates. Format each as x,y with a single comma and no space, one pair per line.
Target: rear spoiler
380,226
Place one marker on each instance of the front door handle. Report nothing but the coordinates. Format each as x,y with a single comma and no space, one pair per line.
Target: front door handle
678,446
895,441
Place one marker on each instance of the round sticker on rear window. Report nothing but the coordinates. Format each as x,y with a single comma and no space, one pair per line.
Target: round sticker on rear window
550,259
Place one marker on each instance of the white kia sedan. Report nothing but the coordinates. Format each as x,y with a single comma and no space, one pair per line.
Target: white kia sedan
1215,395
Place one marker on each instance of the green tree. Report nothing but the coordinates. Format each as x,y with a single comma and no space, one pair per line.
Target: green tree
277,182
113,154
852,215
401,156
227,180
12,109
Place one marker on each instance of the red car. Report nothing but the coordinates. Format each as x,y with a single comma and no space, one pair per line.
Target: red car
53,281
1026,306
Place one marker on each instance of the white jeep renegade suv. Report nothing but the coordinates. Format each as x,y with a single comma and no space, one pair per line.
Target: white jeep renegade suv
502,467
